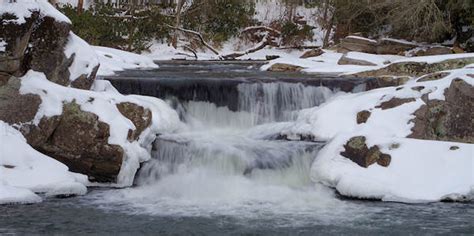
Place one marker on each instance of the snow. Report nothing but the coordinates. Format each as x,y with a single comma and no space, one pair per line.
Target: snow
103,104
85,59
421,170
436,58
22,9
113,60
3,45
24,171
9,195
361,38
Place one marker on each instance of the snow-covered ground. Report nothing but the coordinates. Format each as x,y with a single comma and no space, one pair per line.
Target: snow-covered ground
113,60
420,170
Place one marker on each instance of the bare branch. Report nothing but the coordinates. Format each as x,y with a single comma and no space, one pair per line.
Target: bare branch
197,34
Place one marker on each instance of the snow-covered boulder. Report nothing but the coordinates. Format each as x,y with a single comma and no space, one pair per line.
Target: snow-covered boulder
44,93
370,153
36,36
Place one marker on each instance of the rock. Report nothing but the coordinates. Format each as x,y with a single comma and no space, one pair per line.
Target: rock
282,67
453,148
357,44
437,50
417,69
393,46
384,160
394,102
271,57
38,44
356,150
16,108
80,141
312,53
345,60
449,120
140,117
363,116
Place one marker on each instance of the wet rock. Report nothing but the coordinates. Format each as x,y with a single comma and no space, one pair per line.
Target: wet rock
363,116
394,102
449,120
312,53
357,44
393,46
345,60
140,117
356,150
282,67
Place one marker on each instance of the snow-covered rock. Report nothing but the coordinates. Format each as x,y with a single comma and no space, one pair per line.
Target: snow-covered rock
24,171
420,170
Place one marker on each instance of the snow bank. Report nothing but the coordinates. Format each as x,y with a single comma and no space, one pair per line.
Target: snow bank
420,170
24,170
112,60
22,9
103,103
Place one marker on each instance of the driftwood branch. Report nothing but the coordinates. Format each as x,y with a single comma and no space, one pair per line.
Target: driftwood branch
262,44
186,47
263,28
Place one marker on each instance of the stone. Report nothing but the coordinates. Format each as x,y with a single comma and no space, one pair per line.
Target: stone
38,44
16,108
363,116
282,67
394,102
312,53
393,46
271,57
357,151
80,141
345,60
357,44
449,120
431,51
139,116
453,148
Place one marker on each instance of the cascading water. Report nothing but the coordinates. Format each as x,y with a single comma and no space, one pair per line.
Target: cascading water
228,160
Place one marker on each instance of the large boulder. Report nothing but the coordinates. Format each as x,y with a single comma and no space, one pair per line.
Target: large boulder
357,44
345,60
37,42
312,53
282,67
448,120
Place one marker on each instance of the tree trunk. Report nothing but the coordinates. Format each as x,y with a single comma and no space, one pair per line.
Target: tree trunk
80,6
179,7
